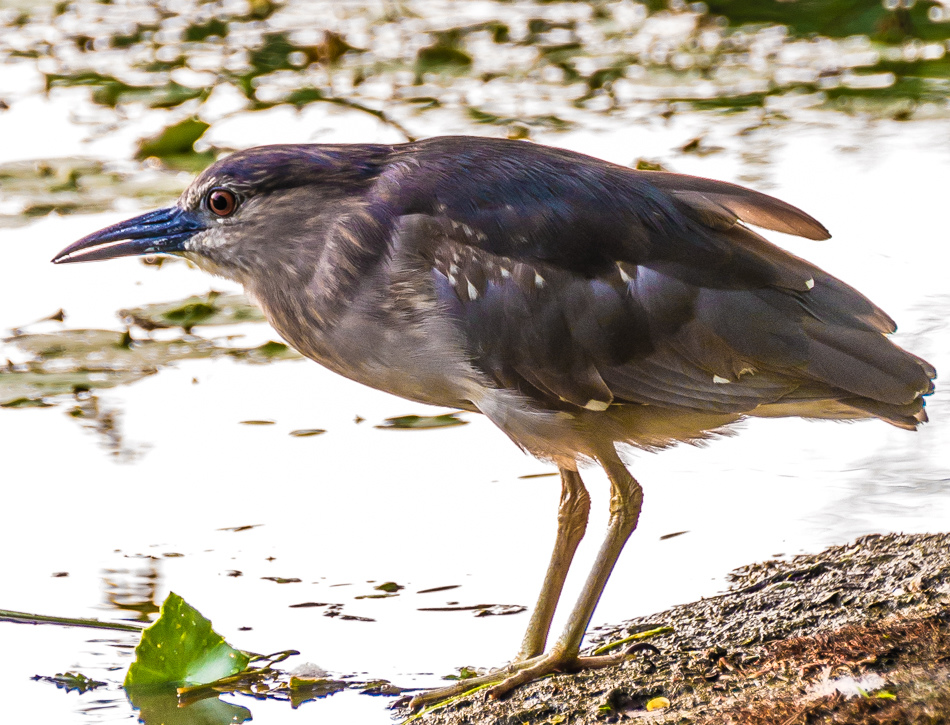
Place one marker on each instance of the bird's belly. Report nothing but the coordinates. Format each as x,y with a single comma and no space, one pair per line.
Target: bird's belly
402,375
401,361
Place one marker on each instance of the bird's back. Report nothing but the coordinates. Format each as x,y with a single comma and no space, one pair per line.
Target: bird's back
584,285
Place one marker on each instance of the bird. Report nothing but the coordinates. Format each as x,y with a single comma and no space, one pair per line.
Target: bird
584,307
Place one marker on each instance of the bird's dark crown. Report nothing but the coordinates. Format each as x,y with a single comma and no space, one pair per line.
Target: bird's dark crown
266,169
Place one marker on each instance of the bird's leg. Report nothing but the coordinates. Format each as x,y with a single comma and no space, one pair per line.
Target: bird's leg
572,515
626,499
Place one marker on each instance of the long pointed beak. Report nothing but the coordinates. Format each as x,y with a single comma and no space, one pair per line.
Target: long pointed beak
158,232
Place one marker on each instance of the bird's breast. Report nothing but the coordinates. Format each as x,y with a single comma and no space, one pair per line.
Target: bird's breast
399,349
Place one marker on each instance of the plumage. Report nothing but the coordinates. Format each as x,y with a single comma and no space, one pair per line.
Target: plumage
576,303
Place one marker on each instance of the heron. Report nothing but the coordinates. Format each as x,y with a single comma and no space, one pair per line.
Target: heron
584,307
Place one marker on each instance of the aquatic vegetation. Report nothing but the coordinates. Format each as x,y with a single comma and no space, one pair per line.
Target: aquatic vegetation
534,65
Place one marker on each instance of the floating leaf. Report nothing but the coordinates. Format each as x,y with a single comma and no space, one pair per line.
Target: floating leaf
647,165
464,673
390,587
71,361
76,186
197,32
442,58
420,422
213,308
307,432
381,687
481,610
274,349
26,403
176,139
70,681
175,146
181,648
433,590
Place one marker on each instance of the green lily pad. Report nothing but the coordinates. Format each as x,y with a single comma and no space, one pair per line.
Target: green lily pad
421,422
196,311
181,648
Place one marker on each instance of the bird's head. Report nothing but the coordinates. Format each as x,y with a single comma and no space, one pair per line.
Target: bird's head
261,206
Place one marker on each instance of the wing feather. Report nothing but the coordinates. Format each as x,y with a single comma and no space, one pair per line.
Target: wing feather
584,284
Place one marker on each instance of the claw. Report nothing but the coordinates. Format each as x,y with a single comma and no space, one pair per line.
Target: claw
519,673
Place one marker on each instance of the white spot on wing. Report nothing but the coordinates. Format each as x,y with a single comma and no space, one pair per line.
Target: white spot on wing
538,280
472,292
720,380
623,275
809,283
505,273
597,405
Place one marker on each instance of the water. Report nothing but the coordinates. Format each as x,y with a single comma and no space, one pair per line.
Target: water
138,501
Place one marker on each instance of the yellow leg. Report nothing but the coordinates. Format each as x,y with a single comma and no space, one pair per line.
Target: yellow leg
626,499
571,524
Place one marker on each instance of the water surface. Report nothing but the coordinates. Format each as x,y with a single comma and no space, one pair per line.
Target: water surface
140,491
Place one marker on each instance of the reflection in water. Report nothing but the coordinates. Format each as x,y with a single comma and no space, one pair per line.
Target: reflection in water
908,478
134,590
104,421
757,156
162,708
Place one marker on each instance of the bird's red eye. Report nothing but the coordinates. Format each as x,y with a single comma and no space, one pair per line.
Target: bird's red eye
222,202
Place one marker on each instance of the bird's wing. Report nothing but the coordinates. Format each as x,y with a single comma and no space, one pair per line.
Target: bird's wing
591,284
534,203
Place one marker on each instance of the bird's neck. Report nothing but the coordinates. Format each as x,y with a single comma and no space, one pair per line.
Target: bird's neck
306,289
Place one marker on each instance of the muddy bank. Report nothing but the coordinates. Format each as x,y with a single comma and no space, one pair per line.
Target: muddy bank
855,634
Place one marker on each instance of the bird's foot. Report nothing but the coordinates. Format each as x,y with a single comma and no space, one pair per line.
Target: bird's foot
503,680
